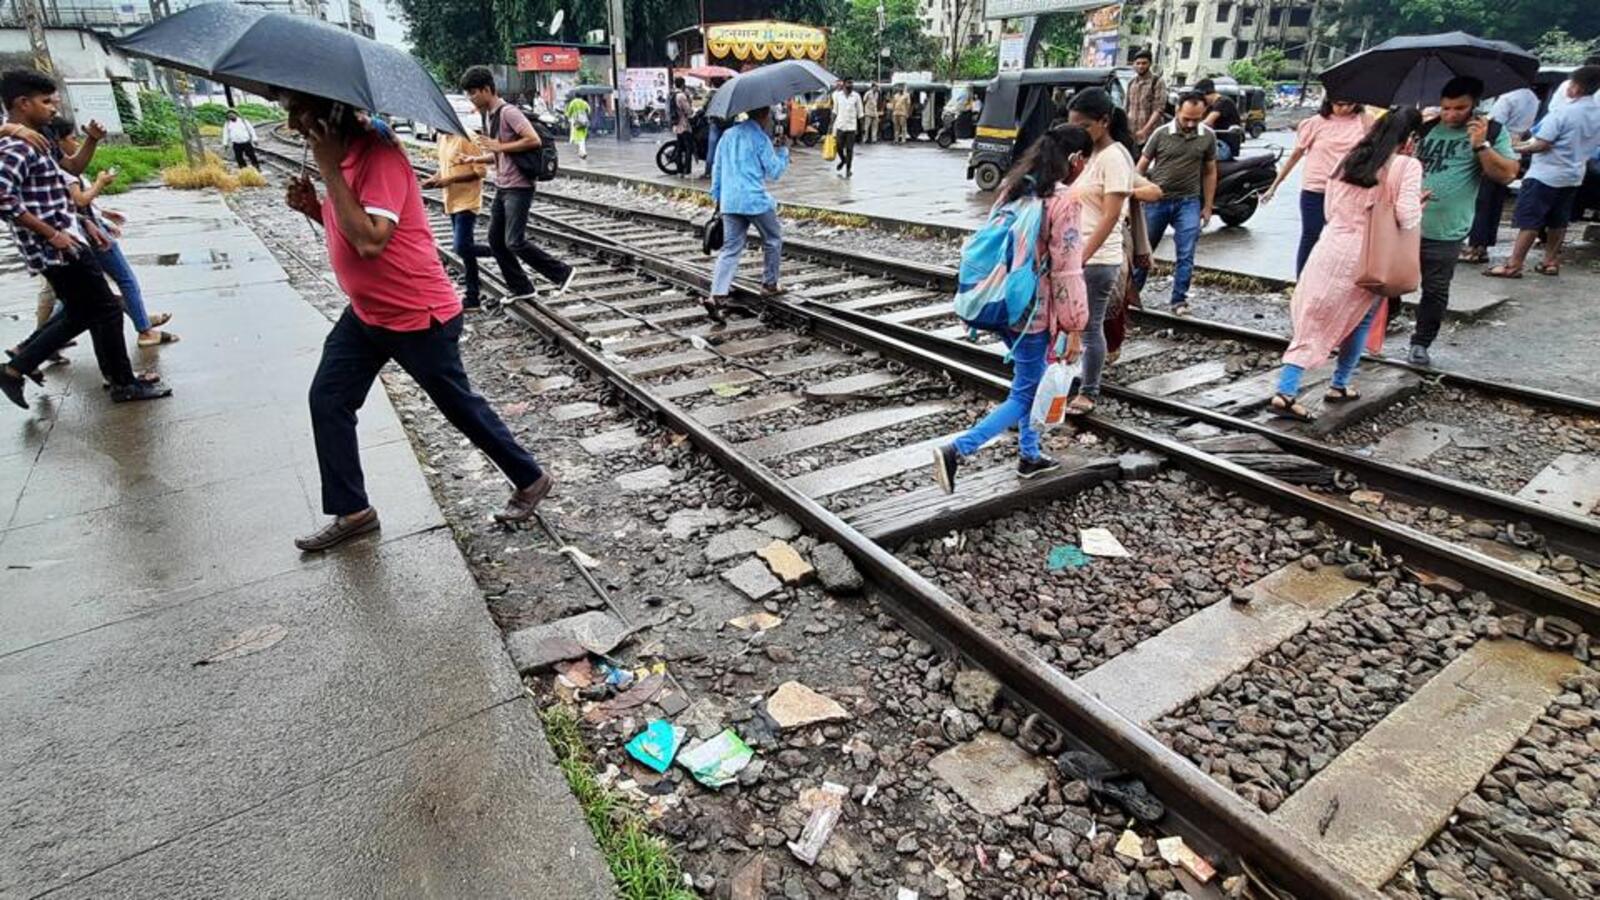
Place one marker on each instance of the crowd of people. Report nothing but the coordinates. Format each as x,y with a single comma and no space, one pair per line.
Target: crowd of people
1433,186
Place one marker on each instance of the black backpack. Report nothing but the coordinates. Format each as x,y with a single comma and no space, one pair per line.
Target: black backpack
540,164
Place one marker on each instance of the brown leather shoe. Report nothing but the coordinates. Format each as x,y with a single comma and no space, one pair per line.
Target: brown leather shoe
520,506
341,529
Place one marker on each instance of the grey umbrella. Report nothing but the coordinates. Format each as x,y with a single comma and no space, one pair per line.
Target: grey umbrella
1411,70
768,86
263,52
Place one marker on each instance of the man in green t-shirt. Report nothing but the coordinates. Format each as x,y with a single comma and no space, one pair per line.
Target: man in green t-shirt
1457,153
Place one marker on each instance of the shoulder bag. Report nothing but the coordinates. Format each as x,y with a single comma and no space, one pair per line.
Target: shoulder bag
1391,256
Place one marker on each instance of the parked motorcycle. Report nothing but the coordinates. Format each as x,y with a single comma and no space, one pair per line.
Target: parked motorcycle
1240,184
667,153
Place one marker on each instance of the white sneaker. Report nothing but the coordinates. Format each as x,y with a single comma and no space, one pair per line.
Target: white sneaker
572,275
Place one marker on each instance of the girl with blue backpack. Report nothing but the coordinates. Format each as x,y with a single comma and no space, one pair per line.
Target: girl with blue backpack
1022,277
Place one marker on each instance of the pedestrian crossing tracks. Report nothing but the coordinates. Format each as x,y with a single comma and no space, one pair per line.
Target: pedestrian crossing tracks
853,427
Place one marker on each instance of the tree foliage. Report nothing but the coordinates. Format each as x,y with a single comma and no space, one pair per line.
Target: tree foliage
979,63
1263,68
1557,47
1520,21
451,35
1060,40
853,44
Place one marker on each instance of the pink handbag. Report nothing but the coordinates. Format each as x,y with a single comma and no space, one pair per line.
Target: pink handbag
1391,256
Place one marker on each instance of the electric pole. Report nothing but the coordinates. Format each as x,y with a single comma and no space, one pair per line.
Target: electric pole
38,42
880,41
1311,53
177,87
619,64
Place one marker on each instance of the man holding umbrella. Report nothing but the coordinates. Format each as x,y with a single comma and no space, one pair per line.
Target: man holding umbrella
402,308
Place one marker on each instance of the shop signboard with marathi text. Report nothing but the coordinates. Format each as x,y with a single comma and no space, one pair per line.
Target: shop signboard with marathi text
765,41
1017,9
547,59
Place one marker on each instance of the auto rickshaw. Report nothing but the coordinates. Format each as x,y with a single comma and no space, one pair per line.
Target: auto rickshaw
959,120
1019,107
928,100
1252,104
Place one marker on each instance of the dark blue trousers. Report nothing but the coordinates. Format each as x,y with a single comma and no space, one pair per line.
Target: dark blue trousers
351,358
1313,218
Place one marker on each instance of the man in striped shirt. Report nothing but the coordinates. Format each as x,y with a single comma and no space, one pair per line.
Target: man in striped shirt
36,202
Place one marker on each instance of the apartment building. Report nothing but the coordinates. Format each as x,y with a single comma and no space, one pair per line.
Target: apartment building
940,20
1192,39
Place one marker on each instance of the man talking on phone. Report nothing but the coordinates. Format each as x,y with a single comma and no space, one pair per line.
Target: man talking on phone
1457,151
402,308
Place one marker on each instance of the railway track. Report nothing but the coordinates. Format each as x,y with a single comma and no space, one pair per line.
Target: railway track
866,376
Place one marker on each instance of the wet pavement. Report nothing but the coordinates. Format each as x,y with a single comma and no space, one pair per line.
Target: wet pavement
376,742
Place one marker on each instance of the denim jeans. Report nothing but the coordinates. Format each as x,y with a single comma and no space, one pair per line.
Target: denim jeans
734,226
1349,357
508,240
1102,281
116,266
1027,367
463,232
1313,218
1183,214
1224,151
351,357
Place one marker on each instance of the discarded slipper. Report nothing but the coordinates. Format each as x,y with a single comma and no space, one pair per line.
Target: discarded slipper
1109,783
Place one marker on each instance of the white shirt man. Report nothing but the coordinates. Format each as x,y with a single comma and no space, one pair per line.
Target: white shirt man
1515,111
238,131
846,110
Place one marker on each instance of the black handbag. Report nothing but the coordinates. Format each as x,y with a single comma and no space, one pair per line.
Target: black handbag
711,236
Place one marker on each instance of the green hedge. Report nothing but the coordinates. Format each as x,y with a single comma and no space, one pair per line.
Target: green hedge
216,113
133,164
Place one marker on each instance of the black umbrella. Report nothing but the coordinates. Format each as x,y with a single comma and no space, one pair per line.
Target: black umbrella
1411,70
262,52
768,86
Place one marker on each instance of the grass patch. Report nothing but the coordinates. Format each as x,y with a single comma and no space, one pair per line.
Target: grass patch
133,164
211,173
641,862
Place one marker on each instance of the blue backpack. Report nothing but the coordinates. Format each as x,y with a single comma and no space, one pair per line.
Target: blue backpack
998,285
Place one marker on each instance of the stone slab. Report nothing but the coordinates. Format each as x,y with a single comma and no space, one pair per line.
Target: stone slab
538,646
466,811
992,774
752,579
606,443
1414,442
738,411
738,542
852,387
1398,784
569,412
685,523
654,478
841,429
548,384
1182,379
794,705
835,570
781,526
702,383
1570,483
857,472
786,563
1195,655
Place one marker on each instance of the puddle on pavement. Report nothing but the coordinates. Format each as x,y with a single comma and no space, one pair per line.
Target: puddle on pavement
216,260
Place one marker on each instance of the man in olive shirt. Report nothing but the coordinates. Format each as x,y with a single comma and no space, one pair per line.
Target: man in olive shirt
1457,152
1181,158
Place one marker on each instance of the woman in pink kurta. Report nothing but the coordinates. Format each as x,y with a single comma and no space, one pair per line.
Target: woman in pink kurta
1329,309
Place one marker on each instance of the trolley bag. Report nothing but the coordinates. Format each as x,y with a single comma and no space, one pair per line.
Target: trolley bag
1061,382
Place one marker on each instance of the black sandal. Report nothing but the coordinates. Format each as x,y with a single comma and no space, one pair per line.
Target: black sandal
1108,782
1286,407
1338,394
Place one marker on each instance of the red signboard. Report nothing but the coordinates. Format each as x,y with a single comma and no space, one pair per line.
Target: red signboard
547,59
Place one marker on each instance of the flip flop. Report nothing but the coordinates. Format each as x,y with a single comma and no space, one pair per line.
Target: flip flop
160,319
1341,395
1551,269
162,337
1108,782
1473,256
1286,407
1501,271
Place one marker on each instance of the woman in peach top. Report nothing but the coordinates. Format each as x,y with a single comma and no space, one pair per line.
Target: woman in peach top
1322,140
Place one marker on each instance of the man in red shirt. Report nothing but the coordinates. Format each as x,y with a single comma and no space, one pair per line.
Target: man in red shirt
402,307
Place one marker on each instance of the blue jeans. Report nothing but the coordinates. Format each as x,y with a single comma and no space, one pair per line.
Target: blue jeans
1183,214
1224,151
1027,367
1313,218
1349,357
116,266
463,233
734,226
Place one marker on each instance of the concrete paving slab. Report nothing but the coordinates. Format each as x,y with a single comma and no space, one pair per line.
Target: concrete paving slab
1195,655
618,440
97,725
1570,483
475,809
992,774
1414,442
1397,785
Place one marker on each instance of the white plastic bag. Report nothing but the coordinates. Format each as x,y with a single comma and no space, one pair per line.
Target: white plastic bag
1059,385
